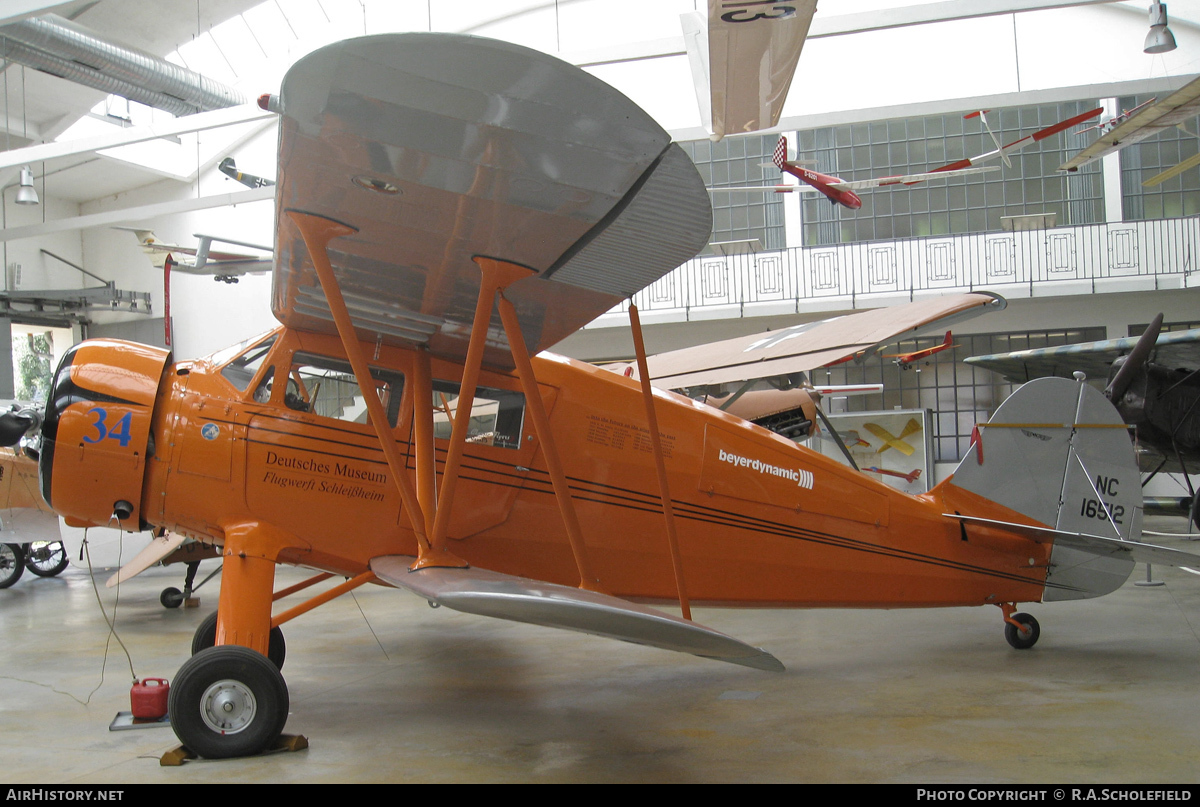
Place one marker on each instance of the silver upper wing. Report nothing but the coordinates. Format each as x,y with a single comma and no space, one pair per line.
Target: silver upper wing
438,148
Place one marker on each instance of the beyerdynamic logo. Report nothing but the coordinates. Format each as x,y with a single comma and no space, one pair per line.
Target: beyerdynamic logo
803,479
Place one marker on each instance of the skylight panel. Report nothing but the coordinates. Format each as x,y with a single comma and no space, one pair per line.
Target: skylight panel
271,28
238,45
307,19
203,56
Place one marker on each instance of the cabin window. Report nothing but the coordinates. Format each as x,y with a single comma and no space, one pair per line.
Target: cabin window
242,369
497,415
327,387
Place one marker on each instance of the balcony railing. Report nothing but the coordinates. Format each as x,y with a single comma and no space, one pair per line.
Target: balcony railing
1117,256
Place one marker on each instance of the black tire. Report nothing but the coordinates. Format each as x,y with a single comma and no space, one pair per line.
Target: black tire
1027,636
206,636
46,558
228,701
173,598
1195,514
12,564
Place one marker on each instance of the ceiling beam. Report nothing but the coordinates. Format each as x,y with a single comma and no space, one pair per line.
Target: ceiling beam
132,215
924,13
17,10
904,16
135,134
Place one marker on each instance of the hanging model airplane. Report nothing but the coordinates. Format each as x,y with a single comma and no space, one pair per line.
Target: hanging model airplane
905,361
837,190
1174,110
743,58
1154,381
229,168
842,192
448,208
225,267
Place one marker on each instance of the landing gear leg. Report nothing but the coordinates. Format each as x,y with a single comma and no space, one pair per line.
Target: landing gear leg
231,700
206,637
1021,630
173,597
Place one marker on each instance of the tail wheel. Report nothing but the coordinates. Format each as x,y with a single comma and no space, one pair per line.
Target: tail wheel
12,564
228,701
46,558
1025,636
206,636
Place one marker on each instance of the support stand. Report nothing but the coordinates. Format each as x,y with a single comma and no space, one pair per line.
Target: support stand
1149,581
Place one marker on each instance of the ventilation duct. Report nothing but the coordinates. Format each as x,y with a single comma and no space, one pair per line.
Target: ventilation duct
62,48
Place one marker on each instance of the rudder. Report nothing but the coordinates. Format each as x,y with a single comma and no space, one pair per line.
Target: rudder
1058,452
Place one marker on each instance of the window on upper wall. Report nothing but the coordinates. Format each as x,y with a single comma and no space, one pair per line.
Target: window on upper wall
1172,198
955,206
958,394
741,215
1140,328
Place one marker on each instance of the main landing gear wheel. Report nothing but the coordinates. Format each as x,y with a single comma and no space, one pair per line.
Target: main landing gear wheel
1024,637
12,564
206,636
46,558
228,701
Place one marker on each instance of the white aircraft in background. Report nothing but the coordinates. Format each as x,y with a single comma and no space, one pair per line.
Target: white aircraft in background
226,267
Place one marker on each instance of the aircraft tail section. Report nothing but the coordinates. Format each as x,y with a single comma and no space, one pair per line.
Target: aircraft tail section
1057,452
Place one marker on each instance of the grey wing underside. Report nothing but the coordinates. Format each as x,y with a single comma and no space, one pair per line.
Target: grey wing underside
441,148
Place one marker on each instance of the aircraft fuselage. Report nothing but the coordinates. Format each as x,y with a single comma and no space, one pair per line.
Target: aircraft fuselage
824,183
283,471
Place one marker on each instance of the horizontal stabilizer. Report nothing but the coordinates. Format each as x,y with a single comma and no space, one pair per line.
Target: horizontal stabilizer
478,591
1095,544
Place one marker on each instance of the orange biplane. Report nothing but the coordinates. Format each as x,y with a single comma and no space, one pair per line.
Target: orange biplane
448,207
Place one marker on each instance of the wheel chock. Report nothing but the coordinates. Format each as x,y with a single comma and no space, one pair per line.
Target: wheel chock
286,742
175,757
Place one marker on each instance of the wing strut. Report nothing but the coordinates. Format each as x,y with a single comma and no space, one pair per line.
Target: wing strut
635,325
422,396
541,426
497,275
317,232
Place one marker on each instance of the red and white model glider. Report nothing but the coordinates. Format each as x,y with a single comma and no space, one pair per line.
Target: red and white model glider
842,192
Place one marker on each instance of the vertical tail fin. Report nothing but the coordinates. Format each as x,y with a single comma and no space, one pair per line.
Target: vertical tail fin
1057,452
780,156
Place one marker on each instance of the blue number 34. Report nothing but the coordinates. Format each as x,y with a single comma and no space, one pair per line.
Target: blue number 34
119,432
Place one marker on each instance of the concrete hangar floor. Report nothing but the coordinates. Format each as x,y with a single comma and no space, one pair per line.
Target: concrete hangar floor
387,689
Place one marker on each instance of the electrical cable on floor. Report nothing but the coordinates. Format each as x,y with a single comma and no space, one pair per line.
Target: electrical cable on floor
112,630
368,622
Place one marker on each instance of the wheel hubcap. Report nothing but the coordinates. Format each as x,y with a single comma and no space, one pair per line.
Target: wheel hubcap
228,707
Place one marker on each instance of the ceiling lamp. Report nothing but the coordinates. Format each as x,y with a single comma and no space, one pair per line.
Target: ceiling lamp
1160,39
26,195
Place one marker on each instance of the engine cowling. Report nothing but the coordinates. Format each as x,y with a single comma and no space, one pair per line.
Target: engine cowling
96,438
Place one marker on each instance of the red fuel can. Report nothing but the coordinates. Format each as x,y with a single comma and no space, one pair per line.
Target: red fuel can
148,698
